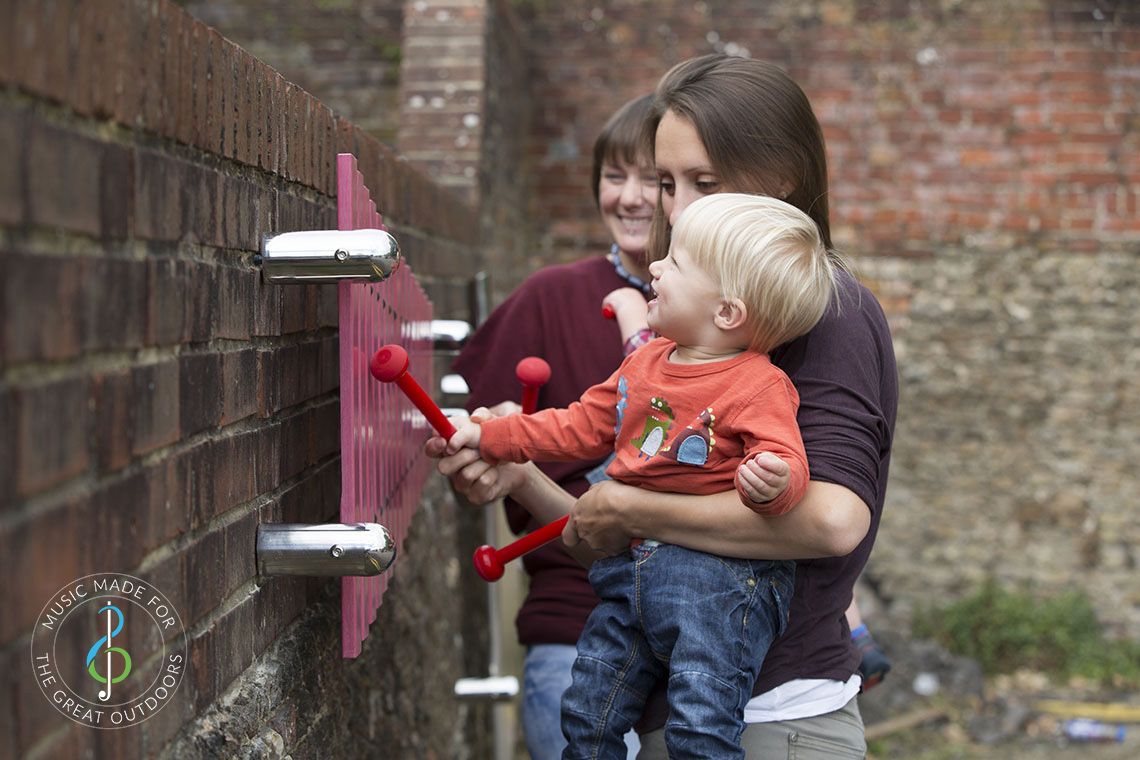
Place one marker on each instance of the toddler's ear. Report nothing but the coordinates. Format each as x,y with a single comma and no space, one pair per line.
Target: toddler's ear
732,314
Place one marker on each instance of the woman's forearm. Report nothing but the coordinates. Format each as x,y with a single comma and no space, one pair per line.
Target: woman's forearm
547,501
829,521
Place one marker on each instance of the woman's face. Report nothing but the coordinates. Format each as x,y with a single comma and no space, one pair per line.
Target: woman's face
683,166
627,195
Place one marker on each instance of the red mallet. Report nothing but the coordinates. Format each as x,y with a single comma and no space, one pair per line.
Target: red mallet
608,311
489,561
390,365
533,373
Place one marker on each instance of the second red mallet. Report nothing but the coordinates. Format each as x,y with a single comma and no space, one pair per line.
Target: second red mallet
489,561
390,365
533,373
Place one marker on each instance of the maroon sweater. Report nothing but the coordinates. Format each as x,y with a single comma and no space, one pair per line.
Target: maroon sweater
555,315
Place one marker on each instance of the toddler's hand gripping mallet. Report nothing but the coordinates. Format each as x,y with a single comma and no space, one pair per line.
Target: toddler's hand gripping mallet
390,364
533,373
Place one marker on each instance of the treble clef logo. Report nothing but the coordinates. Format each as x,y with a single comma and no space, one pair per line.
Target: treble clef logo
93,653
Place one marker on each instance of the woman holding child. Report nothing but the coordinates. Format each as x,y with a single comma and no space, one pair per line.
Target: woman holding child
738,125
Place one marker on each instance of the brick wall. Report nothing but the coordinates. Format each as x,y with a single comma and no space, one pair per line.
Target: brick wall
158,400
347,52
985,179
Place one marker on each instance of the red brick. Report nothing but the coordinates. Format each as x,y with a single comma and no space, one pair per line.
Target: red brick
41,573
215,92
326,430
240,383
247,111
181,96
131,72
7,444
237,468
201,301
116,192
157,413
159,190
289,376
205,570
227,203
116,520
276,604
116,307
200,392
12,148
241,552
167,286
13,669
166,516
63,179
198,46
42,49
295,309
52,422
296,443
44,298
112,397
150,65
229,86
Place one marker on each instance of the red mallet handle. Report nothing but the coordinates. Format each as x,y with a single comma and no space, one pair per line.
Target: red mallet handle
533,373
608,312
390,364
489,561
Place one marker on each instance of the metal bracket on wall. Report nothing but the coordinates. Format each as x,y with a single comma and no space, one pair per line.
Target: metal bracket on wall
324,550
336,549
321,256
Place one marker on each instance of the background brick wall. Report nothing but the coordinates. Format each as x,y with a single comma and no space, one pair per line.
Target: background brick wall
348,51
985,180
158,400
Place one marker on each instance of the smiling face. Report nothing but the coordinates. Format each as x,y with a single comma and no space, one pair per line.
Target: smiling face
686,301
626,197
683,166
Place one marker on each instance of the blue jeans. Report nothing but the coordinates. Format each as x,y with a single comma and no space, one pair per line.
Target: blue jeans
546,674
705,622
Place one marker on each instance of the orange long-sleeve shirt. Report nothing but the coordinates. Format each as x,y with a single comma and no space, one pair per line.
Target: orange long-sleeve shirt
681,428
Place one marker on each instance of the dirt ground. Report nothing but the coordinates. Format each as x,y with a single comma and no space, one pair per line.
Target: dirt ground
1010,718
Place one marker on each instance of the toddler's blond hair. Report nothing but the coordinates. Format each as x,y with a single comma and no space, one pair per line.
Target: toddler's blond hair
765,252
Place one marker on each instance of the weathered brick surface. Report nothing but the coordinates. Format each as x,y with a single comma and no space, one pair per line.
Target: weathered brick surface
159,401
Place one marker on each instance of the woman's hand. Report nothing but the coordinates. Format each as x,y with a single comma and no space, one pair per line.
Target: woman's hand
598,518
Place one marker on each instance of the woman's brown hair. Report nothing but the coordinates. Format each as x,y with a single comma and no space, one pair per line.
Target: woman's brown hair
757,127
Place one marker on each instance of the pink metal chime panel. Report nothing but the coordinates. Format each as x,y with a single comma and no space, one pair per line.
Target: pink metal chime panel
381,433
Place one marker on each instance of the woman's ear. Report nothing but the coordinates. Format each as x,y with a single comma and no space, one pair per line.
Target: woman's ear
731,315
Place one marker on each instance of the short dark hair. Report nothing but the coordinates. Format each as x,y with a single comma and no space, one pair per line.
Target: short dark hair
621,139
